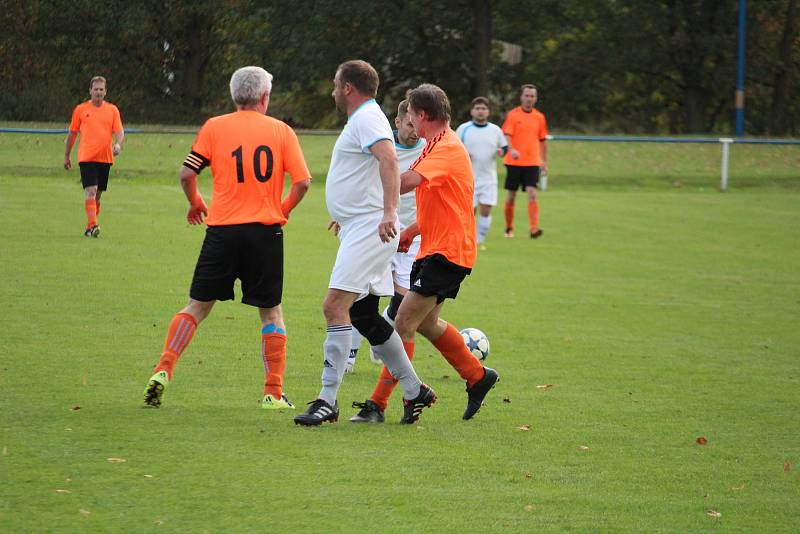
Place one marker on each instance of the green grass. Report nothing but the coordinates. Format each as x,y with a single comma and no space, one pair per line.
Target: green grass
658,313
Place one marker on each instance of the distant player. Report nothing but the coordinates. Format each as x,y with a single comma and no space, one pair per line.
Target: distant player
484,141
248,153
100,127
408,146
444,186
362,193
525,129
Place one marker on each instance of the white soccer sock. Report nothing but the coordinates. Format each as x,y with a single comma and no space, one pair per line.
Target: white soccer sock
396,360
385,315
336,349
356,343
484,222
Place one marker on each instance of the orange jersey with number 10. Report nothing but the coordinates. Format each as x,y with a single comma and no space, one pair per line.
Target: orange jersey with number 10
444,200
249,154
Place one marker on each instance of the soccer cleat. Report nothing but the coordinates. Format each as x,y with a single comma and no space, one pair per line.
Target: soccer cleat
477,393
369,413
94,231
154,392
536,233
271,403
318,412
509,232
413,408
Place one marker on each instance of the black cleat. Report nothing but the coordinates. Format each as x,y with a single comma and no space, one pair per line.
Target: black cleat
413,408
94,231
477,393
537,233
318,412
369,413
509,232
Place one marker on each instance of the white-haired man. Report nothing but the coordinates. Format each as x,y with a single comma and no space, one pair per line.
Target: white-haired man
248,153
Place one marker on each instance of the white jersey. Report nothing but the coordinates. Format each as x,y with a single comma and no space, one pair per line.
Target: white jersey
406,156
353,185
482,142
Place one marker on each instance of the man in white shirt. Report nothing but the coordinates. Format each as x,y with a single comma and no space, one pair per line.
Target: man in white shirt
362,192
484,141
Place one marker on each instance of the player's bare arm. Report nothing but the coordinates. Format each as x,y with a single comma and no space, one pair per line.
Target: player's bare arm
543,145
70,142
511,150
119,136
390,179
197,207
407,237
409,180
295,195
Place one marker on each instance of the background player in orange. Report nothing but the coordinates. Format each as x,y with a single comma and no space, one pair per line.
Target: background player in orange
249,153
444,186
100,126
526,131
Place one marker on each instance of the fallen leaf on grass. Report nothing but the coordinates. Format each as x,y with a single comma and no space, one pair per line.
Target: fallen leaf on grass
68,429
713,513
148,477
85,512
787,467
528,507
524,428
159,522
701,440
507,401
63,491
528,476
75,408
84,380
567,338
583,447
740,487
117,460
544,386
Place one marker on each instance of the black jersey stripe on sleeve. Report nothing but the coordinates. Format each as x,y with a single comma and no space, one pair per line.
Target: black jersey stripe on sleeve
196,162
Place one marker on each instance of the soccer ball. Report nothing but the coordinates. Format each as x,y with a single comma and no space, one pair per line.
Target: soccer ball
477,342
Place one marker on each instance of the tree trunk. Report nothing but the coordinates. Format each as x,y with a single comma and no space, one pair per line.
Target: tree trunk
779,120
482,17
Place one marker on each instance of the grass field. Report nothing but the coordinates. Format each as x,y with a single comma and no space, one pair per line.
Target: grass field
658,309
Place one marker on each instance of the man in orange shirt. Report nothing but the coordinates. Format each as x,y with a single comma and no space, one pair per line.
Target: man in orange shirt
249,153
525,129
100,125
444,186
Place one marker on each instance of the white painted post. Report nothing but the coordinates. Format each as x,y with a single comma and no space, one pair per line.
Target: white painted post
726,143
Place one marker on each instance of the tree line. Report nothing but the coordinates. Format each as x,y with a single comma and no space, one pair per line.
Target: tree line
601,66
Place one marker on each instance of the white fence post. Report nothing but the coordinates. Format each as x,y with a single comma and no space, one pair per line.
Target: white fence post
726,143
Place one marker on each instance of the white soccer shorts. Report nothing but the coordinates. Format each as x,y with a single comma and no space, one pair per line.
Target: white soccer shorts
485,193
363,262
402,263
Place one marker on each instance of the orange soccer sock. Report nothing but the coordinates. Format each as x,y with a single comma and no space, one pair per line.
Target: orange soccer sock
509,211
97,208
179,334
273,352
386,382
452,347
90,205
533,214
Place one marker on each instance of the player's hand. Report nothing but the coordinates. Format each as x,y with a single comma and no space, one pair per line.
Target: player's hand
67,163
386,229
333,225
406,238
197,211
543,169
116,149
514,153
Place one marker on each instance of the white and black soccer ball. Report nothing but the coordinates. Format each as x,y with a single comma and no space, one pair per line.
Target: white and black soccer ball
476,341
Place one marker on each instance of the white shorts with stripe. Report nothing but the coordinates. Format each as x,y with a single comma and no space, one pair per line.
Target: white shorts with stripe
363,262
402,263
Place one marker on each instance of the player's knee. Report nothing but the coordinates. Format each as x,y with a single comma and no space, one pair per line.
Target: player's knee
365,317
404,326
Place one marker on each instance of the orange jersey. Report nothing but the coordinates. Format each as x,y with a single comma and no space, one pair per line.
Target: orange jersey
95,124
249,154
526,130
444,200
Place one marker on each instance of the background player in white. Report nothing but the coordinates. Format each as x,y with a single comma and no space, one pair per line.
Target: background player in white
408,146
362,192
484,141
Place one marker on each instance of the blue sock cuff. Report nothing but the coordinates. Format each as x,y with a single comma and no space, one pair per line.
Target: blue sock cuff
272,329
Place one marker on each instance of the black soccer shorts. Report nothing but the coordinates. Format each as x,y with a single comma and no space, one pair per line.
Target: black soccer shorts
521,177
253,253
94,173
436,275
